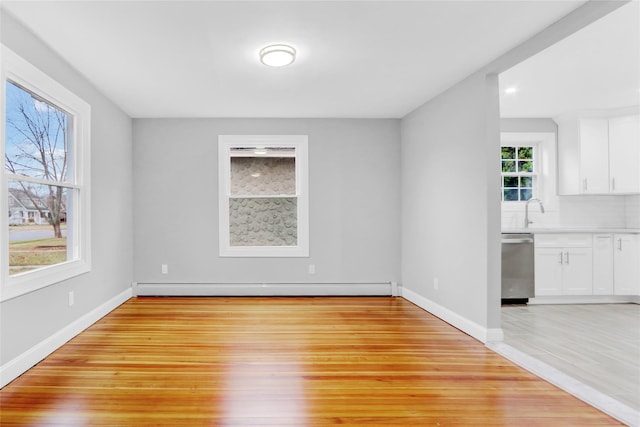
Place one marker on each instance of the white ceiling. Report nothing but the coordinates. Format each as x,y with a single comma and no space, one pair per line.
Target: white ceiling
596,68
356,59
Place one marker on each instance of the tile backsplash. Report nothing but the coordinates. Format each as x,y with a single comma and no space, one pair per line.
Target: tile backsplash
580,211
632,211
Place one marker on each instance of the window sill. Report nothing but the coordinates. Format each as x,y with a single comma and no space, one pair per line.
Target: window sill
264,252
21,284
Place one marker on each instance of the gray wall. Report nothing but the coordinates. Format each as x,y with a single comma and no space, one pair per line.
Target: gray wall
450,200
450,181
354,202
31,318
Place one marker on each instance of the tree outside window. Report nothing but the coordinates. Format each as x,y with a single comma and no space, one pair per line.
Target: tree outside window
518,173
37,144
45,181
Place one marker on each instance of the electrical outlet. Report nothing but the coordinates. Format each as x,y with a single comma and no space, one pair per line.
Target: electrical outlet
71,298
165,269
436,283
312,269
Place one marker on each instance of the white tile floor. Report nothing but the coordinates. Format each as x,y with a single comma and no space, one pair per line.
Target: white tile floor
596,344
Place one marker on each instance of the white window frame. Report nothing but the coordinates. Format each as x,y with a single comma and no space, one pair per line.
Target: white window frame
300,144
21,72
535,187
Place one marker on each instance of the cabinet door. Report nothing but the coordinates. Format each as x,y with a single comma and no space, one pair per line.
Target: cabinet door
594,155
626,262
603,264
548,271
624,154
568,158
577,273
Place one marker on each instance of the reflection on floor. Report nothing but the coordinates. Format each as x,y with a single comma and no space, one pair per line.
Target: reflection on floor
597,344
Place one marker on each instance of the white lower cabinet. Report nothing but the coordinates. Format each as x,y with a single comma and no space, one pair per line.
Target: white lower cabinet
626,264
563,264
587,264
603,264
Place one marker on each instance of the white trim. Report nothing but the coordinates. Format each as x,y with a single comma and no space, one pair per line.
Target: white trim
467,326
544,163
494,335
22,363
263,289
567,383
26,75
394,289
585,299
300,143
15,177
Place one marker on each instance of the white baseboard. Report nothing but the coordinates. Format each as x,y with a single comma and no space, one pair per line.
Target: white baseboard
593,397
264,289
467,326
22,363
585,299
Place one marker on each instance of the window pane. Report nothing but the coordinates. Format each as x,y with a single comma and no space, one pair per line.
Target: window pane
508,166
510,181
525,194
36,137
525,166
510,195
508,152
263,176
37,226
263,221
526,181
525,152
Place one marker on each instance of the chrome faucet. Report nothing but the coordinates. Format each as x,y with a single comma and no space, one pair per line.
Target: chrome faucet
526,211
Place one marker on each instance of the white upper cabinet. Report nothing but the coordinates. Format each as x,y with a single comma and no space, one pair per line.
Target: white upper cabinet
599,155
594,167
624,154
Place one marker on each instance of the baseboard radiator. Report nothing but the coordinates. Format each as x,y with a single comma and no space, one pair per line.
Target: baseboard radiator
266,289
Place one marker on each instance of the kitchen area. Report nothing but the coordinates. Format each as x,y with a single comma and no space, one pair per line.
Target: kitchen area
571,210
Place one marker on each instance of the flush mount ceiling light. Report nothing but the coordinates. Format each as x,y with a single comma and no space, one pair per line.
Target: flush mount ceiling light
277,55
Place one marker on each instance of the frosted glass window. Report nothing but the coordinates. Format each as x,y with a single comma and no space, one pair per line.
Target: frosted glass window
263,195
263,176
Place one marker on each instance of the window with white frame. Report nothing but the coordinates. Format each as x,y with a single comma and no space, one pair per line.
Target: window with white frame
45,179
263,195
518,173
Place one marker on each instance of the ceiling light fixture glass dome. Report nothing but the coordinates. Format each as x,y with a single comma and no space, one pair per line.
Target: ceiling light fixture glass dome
277,55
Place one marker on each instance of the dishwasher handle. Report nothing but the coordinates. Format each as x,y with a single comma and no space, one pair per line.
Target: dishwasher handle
513,241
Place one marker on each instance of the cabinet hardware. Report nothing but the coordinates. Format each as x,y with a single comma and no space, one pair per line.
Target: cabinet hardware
613,184
560,257
584,184
566,257
620,244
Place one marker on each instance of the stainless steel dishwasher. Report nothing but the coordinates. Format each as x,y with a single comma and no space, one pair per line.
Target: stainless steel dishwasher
518,284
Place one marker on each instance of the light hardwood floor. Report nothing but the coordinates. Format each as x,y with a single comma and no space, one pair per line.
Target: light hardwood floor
597,344
282,362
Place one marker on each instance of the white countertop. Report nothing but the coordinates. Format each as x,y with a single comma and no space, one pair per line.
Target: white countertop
549,230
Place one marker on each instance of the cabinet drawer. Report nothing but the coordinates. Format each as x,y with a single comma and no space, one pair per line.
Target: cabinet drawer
577,240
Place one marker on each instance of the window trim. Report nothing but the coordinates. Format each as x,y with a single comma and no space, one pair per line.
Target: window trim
535,185
23,73
300,143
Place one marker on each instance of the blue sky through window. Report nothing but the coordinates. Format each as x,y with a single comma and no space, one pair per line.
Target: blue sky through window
35,136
